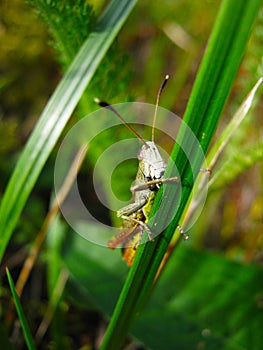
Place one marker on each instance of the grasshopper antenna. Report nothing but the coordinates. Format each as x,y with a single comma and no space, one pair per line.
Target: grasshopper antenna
113,110
157,103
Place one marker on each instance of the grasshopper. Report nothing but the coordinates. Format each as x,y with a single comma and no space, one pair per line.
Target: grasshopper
149,177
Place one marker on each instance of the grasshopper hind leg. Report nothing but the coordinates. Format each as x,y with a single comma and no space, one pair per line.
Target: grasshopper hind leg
129,248
123,236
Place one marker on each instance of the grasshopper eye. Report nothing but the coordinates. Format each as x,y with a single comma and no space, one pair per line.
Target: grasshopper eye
161,174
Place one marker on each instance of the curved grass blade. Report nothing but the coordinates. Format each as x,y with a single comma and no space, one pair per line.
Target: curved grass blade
219,147
57,113
237,119
24,325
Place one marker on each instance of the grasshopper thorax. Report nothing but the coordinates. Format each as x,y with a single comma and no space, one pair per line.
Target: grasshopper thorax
151,164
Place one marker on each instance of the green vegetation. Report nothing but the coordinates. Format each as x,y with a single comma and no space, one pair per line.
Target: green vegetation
209,293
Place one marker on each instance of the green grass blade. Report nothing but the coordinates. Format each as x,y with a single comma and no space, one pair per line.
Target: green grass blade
240,114
246,158
57,113
24,325
211,88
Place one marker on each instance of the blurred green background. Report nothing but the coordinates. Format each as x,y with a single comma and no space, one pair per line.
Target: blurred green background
158,38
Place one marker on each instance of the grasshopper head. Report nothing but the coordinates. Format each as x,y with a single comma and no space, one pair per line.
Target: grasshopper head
151,162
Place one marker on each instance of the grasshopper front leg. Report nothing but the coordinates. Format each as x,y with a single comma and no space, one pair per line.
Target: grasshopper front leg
131,208
148,184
